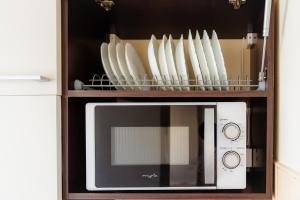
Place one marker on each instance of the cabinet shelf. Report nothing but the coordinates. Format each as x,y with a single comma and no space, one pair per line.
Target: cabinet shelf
159,94
98,196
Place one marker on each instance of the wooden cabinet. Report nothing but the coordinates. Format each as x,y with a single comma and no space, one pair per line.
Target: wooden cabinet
30,148
85,25
30,45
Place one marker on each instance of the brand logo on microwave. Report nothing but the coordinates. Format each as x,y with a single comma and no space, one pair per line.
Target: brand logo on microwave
150,176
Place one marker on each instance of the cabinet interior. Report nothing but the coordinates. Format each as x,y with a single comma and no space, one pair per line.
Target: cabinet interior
89,25
86,25
256,139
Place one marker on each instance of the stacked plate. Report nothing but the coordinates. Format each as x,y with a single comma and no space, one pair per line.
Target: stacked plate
168,64
123,66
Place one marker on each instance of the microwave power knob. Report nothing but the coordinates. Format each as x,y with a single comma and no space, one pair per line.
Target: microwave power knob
231,159
231,131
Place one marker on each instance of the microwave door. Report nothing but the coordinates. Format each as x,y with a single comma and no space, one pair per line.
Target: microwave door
151,147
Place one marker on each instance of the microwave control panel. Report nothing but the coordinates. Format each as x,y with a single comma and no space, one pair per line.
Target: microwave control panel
231,145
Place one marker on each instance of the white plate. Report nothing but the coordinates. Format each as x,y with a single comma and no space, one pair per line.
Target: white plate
219,59
181,64
163,65
210,58
135,66
202,61
106,65
112,57
194,61
170,55
153,60
122,64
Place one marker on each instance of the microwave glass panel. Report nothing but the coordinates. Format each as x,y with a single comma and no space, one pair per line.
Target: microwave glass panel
154,146
150,145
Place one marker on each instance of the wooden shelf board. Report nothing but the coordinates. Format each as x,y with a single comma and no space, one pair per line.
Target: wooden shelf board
152,94
233,196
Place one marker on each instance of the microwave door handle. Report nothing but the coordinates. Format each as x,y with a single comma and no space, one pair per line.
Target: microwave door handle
209,145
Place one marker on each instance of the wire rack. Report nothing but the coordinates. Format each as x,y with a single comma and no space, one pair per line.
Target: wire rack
102,82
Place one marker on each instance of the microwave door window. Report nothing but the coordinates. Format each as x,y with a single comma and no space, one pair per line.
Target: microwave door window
151,146
138,145
128,149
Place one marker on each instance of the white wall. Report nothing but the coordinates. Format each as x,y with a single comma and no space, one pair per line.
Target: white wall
288,67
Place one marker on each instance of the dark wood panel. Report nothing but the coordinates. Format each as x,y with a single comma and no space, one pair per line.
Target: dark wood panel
65,52
152,94
76,145
270,104
87,28
136,19
139,19
65,147
64,100
84,59
203,196
86,19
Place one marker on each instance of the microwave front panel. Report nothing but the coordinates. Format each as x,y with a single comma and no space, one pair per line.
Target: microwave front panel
151,146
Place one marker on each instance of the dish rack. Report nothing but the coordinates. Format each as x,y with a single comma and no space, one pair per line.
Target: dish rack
102,82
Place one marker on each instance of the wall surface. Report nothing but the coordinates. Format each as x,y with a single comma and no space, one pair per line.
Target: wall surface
287,166
288,65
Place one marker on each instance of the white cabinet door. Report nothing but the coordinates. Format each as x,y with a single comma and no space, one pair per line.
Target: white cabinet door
30,148
30,45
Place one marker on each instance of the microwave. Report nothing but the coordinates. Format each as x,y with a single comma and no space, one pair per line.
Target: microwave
166,146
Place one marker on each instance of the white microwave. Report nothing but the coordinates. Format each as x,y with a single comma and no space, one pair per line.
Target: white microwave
165,146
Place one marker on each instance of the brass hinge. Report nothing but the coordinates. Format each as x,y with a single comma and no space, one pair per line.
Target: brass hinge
237,3
106,4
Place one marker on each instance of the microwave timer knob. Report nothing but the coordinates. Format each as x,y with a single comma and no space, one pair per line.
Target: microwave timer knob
231,159
231,131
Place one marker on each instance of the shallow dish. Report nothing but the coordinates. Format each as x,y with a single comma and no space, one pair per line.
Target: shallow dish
181,64
106,65
163,65
202,61
219,59
170,55
136,67
123,65
112,57
153,60
194,61
210,58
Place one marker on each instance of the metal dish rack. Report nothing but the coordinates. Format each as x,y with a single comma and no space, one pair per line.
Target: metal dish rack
102,82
